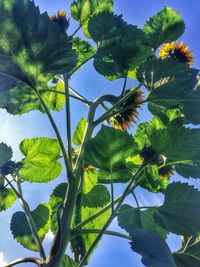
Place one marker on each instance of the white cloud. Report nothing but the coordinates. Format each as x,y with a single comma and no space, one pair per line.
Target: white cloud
2,262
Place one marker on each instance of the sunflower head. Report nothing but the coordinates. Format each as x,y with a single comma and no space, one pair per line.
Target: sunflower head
177,51
61,19
166,172
122,121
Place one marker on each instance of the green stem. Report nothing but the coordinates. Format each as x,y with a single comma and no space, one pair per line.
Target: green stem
68,121
79,27
124,86
126,192
97,231
24,260
68,167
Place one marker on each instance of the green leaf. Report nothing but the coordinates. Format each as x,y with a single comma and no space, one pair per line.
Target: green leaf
5,153
166,26
188,168
56,199
90,180
186,260
97,197
83,49
21,231
109,31
83,10
130,218
67,261
118,176
7,198
177,143
31,56
79,132
40,163
17,103
180,213
109,149
154,74
154,251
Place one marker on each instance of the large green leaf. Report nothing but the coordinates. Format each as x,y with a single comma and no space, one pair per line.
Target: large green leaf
67,261
79,132
7,198
159,72
188,168
154,251
90,180
21,230
5,153
180,213
30,56
108,31
83,10
16,102
166,26
122,175
97,197
55,201
130,218
109,149
83,49
41,159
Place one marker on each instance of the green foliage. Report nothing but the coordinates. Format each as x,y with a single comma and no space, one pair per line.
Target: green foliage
152,248
180,212
41,160
164,27
83,10
130,218
97,197
67,261
5,153
21,230
109,148
7,198
108,31
79,132
90,180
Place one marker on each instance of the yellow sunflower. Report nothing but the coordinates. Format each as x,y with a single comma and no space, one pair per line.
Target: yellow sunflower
177,51
123,120
61,19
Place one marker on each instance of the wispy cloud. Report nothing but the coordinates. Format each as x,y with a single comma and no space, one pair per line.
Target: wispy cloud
2,262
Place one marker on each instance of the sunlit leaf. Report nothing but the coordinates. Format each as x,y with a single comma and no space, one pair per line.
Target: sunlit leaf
5,153
41,159
109,149
154,251
7,198
90,180
97,197
79,132
180,213
83,49
166,26
21,230
83,10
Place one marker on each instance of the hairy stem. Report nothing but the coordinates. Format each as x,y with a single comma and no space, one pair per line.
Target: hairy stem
24,260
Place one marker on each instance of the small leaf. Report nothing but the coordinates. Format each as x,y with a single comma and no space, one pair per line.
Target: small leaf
40,163
154,251
7,198
166,26
130,218
180,213
83,10
5,153
79,132
83,49
97,197
56,199
21,230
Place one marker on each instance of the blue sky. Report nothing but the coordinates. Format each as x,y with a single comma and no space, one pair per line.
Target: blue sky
112,251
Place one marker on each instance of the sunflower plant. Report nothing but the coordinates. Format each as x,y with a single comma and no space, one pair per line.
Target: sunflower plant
38,60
